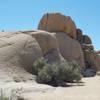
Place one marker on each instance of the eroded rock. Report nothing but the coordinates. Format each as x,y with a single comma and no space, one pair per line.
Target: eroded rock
56,22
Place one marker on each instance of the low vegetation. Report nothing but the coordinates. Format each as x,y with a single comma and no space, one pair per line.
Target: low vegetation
14,95
56,74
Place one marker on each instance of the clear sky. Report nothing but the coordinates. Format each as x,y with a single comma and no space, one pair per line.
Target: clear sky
25,14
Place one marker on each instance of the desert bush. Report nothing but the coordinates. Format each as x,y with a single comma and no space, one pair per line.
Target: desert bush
14,95
38,65
44,75
58,73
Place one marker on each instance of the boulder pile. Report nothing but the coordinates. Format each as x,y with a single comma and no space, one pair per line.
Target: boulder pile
73,44
91,58
57,39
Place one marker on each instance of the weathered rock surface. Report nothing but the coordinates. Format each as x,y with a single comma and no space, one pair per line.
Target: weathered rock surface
19,50
46,40
70,49
90,56
93,59
56,22
49,45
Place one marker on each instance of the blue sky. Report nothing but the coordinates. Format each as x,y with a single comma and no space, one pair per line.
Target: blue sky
25,14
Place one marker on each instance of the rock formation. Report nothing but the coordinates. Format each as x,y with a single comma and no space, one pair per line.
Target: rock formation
70,48
82,51
56,22
57,40
48,44
90,56
19,50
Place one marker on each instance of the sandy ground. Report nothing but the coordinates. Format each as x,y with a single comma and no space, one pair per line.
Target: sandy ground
88,90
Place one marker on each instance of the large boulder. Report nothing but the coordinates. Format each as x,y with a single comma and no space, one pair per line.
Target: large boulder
70,48
92,59
19,50
48,44
56,22
53,56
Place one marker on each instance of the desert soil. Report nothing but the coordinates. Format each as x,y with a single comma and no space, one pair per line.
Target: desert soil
88,90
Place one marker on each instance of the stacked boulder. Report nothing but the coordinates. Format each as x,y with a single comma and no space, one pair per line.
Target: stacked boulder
56,40
56,22
73,45
65,33
90,56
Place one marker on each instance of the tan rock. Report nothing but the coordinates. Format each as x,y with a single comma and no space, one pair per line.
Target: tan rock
46,40
56,22
19,50
48,44
53,56
93,59
70,48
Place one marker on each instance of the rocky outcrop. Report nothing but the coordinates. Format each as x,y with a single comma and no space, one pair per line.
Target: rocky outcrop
90,56
65,29
70,48
19,50
48,44
56,22
58,46
46,40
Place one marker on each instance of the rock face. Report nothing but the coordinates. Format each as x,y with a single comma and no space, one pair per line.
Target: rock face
90,56
56,22
46,40
70,48
19,50
48,44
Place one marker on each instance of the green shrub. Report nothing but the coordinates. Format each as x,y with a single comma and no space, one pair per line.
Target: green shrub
44,75
38,65
74,71
57,74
